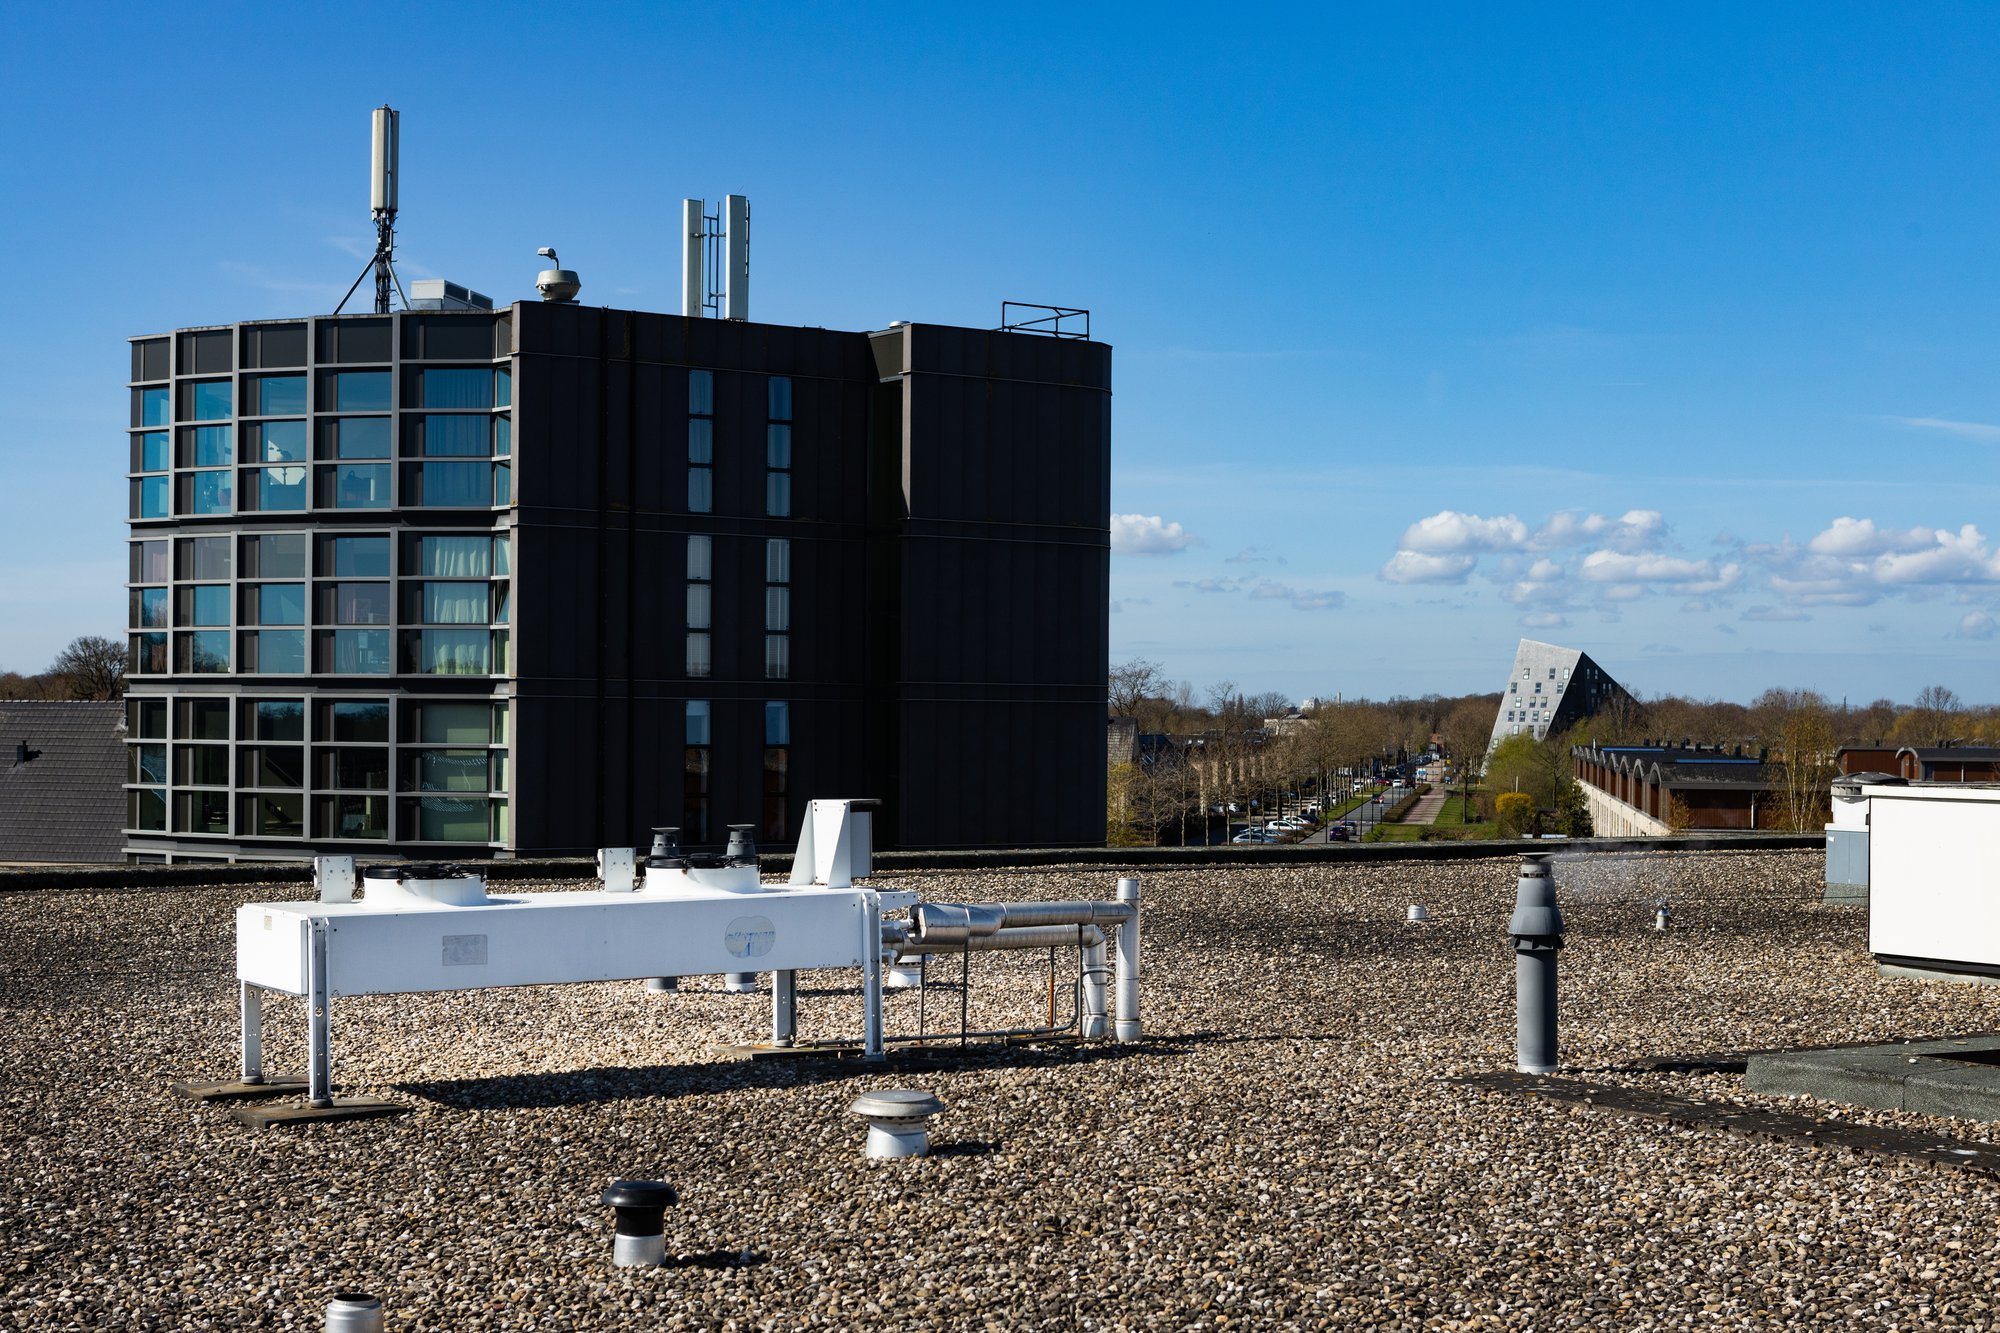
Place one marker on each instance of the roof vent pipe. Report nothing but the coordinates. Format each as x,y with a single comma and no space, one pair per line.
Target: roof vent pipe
666,852
642,1209
742,845
353,1312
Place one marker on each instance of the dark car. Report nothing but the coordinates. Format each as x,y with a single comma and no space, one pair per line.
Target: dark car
1339,833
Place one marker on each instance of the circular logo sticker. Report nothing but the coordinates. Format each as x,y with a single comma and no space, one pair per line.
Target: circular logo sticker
749,937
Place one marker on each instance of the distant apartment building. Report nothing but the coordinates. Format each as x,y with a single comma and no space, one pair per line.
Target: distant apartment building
470,582
1549,689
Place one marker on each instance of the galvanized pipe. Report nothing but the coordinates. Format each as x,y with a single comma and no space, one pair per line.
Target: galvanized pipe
871,976
319,1020
784,1008
1014,937
1095,973
353,1312
1127,961
252,1000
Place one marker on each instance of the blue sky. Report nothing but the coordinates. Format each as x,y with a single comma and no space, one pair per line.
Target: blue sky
1666,333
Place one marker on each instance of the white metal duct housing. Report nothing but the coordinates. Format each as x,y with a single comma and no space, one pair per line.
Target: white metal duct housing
1933,879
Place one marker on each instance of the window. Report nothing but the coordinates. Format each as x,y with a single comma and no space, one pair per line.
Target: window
274,604
146,811
275,442
777,739
1538,687
201,720
448,485
272,766
778,447
777,609
152,452
149,407
451,437
203,604
351,817
356,651
700,604
149,608
360,390
206,492
278,396
279,555
148,763
701,442
201,812
354,486
212,400
358,720
452,652
147,719
778,560
147,654
354,603
149,498
354,437
271,489
777,656
448,770
203,557
456,388
202,652
454,604
273,651
456,724
352,766
360,557
453,557
694,779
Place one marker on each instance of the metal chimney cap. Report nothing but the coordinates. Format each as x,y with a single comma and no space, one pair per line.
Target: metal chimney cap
559,285
640,1194
896,1104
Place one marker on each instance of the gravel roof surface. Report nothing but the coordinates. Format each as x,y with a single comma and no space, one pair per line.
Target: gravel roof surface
1280,1152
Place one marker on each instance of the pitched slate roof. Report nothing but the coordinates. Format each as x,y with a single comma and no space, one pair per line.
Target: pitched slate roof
66,802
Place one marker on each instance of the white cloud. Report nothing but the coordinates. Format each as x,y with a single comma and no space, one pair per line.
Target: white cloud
1209,584
1976,625
1545,620
1971,430
1416,567
1693,576
1860,537
1774,613
1301,599
1635,530
1148,534
1450,532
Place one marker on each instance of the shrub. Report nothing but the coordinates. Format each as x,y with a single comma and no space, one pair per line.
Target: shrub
1515,811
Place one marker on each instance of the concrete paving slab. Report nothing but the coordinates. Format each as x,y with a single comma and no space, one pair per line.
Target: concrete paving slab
1953,1076
274,1085
299,1113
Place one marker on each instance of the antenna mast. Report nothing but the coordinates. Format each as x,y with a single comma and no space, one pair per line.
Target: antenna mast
383,175
382,201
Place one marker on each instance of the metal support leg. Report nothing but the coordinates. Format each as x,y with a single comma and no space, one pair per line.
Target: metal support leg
1095,974
784,1008
319,1073
871,975
252,1001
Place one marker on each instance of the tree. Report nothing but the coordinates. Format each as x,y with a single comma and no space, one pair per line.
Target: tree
1805,757
91,667
1515,811
1466,729
1932,720
1573,811
1533,768
1132,683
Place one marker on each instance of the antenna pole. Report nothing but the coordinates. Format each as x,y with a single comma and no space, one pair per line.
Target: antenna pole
382,202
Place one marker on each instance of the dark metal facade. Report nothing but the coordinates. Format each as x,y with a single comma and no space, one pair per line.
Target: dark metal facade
895,561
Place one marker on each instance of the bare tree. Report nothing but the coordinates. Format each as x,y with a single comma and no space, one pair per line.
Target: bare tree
1132,683
1805,757
1933,719
91,667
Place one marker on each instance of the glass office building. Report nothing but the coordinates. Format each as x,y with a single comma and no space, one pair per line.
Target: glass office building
530,581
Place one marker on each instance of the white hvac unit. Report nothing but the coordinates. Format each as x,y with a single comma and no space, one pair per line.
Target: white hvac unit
1933,878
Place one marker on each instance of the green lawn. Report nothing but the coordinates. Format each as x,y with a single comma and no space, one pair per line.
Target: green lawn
1456,809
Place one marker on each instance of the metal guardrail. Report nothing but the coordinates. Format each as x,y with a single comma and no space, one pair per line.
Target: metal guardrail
887,864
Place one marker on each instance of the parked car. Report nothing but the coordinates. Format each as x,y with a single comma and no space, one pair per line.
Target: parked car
1253,835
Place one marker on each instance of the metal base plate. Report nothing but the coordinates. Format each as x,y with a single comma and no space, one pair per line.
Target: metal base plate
275,1085
293,1113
